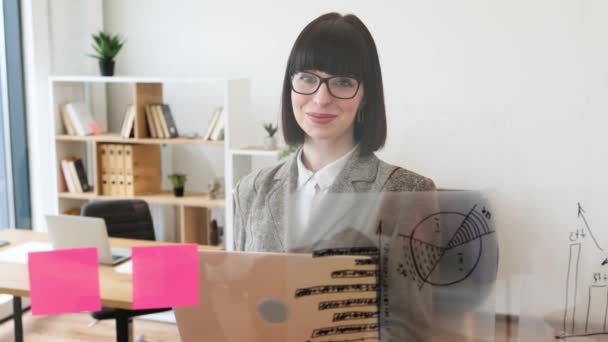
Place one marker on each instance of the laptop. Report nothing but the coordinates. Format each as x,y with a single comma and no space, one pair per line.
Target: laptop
68,231
281,297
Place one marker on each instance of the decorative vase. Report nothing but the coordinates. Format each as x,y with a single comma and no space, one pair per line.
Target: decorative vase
106,66
179,192
270,143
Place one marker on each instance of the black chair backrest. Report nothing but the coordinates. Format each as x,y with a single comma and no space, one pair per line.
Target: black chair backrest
128,219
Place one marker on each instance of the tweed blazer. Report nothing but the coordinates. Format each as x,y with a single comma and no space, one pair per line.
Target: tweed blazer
261,206
260,198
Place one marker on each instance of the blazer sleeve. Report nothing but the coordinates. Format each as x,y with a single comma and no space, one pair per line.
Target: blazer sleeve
411,198
240,235
242,199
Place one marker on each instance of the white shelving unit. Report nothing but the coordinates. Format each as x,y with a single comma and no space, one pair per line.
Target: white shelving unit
237,153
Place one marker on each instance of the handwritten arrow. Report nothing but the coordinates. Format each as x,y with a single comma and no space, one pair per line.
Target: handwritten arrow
581,213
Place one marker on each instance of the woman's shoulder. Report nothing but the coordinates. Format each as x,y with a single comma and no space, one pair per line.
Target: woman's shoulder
401,179
254,181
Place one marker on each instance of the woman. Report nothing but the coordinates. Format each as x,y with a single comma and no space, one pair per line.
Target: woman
332,104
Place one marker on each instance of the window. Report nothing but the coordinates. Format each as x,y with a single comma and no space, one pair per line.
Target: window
5,218
14,167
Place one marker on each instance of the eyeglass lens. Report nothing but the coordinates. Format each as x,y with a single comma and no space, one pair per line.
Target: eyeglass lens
306,83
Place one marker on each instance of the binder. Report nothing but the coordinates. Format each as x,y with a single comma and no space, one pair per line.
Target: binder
112,169
105,169
120,168
128,170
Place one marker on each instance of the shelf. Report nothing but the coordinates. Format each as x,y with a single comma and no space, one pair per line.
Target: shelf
116,138
136,79
190,199
254,151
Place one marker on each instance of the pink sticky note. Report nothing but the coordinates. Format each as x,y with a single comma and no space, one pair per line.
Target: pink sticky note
165,276
64,281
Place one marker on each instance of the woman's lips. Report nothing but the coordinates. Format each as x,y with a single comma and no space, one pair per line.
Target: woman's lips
321,118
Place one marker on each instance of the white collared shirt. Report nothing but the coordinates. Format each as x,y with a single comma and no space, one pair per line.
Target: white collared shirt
312,187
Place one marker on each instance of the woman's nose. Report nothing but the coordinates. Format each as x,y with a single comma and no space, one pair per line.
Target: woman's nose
322,96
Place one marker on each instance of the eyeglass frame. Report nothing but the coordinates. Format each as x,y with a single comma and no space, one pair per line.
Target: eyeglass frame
326,81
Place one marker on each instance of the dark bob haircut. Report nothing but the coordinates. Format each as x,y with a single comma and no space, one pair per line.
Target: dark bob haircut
339,45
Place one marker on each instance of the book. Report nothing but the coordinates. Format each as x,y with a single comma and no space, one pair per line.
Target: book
128,122
74,176
67,176
212,122
218,129
67,123
157,121
151,123
82,175
170,121
81,118
158,110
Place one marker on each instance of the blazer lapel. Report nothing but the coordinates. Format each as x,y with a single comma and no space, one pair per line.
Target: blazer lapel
357,176
284,185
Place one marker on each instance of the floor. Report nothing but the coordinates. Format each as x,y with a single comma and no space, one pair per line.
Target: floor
74,327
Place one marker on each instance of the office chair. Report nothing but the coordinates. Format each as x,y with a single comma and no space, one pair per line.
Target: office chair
129,219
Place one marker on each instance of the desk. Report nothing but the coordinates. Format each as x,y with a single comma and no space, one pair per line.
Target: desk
115,288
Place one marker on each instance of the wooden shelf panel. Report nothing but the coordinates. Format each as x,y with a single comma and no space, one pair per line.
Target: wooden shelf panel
190,199
116,138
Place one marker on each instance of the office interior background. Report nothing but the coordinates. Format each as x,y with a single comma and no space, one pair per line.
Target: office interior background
508,97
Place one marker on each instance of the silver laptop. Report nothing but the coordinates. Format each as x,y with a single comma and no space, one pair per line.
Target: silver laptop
67,231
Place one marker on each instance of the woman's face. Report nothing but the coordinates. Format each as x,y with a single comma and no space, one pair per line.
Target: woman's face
324,117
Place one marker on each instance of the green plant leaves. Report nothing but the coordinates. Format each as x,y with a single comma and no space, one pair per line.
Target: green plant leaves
271,129
106,46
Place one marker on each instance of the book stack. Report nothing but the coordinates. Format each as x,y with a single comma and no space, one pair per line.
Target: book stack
160,121
78,120
74,175
129,169
215,130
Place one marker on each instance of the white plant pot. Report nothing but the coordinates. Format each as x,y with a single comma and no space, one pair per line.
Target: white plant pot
270,143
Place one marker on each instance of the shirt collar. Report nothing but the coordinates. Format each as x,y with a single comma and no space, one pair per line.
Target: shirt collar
323,177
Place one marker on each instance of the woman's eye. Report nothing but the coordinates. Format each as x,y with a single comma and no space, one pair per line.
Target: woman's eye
308,78
344,82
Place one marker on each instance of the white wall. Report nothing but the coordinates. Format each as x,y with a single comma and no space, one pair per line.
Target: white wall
480,94
54,43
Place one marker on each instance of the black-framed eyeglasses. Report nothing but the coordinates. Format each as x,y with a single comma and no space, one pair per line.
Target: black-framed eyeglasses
341,87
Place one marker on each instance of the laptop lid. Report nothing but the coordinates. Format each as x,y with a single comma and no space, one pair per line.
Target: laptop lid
281,297
67,231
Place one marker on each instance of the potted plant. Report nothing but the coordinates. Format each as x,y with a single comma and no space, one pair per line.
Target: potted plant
178,180
270,142
106,48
